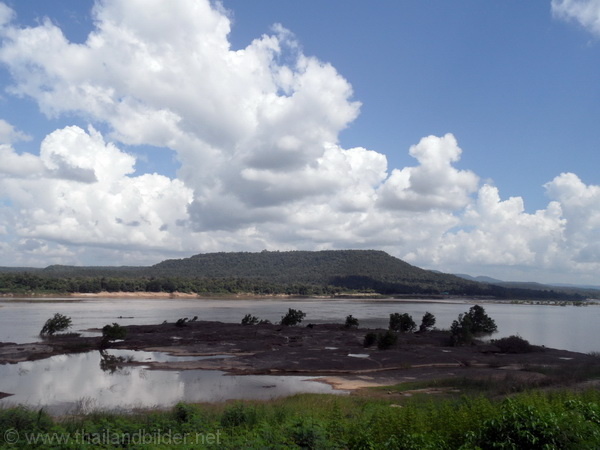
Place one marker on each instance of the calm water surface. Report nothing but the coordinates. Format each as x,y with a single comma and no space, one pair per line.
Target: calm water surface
81,383
78,383
565,327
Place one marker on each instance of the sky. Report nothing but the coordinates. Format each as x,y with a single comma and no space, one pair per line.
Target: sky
457,136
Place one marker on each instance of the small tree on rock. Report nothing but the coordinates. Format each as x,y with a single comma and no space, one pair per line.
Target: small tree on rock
386,340
482,323
113,332
249,319
293,317
403,323
55,324
470,324
427,322
351,322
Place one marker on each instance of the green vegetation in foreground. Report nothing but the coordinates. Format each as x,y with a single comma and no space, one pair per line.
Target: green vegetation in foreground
535,420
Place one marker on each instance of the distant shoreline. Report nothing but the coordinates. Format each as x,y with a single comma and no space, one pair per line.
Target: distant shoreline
240,296
75,296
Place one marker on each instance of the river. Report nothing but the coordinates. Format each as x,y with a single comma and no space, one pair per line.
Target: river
85,382
569,327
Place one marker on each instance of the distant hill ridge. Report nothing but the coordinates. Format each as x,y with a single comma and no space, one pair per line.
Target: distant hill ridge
318,267
350,269
270,271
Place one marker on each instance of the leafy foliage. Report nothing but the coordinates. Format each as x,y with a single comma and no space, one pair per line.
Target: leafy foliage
386,340
292,317
481,322
249,319
370,339
427,322
513,344
113,332
55,324
544,420
403,323
351,322
470,324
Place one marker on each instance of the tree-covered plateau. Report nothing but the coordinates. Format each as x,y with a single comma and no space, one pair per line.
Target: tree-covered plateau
330,272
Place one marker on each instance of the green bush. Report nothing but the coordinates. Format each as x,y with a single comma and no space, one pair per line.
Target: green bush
427,322
238,415
55,324
481,322
113,332
293,317
351,322
370,339
513,344
249,319
309,434
470,324
386,340
522,425
403,323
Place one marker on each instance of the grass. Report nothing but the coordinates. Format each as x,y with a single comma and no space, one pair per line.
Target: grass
558,419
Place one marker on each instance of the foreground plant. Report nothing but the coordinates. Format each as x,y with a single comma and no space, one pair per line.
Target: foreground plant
534,420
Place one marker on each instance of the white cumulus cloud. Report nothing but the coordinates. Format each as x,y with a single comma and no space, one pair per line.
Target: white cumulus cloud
255,131
584,12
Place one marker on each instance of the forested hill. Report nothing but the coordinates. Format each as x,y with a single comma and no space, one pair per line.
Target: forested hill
267,272
355,269
296,266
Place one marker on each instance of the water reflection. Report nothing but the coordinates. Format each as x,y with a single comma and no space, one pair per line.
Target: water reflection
112,363
79,383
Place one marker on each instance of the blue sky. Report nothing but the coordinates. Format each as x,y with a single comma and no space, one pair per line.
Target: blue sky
458,136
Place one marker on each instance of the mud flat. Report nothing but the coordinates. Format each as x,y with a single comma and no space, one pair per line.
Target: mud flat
328,350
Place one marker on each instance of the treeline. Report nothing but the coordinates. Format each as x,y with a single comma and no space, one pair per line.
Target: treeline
325,272
31,283
27,283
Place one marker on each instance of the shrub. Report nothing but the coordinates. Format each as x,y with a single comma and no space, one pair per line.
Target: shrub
55,324
403,323
309,434
181,322
522,425
427,322
481,322
293,317
351,322
370,339
470,324
461,330
513,344
386,340
249,319
113,332
238,415
184,413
